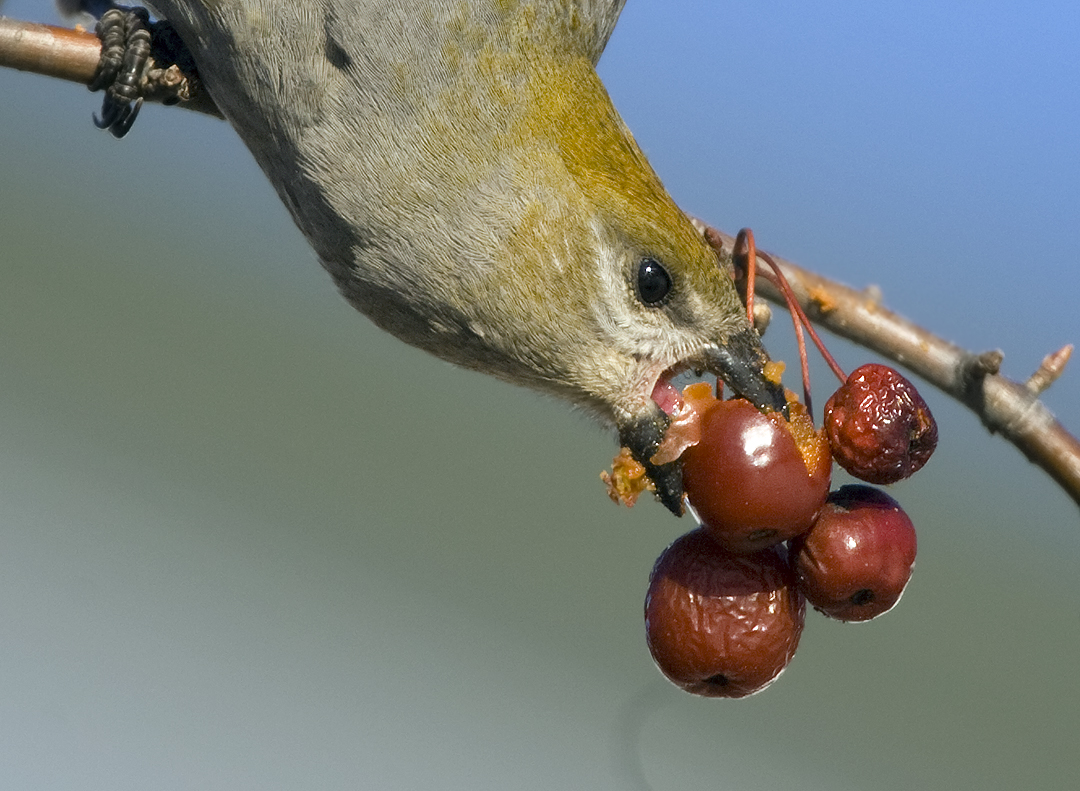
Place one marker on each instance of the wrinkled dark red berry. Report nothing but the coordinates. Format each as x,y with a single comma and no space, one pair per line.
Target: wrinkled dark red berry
879,428
856,560
747,479
718,624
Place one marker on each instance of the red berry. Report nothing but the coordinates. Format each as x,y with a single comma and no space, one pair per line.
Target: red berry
747,478
856,560
718,624
879,428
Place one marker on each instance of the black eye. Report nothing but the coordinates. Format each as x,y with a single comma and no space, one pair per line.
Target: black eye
653,282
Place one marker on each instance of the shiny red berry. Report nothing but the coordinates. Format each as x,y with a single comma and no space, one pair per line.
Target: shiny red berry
750,481
718,624
879,428
856,560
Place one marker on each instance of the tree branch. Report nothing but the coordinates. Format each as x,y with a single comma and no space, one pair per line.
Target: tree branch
73,55
1004,406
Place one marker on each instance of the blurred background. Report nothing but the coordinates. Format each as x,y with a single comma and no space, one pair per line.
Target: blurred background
249,542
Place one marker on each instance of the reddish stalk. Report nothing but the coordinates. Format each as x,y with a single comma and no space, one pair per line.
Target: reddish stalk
745,247
745,239
796,308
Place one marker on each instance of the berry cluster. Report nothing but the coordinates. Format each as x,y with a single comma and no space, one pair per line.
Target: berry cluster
727,601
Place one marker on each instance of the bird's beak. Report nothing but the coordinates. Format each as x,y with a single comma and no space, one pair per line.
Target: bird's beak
641,435
740,362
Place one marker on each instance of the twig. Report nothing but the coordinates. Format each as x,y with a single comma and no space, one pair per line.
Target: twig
73,55
1005,407
1050,369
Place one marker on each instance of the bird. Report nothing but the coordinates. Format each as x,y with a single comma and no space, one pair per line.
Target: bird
464,178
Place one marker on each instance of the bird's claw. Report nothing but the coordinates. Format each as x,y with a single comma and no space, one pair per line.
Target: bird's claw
125,52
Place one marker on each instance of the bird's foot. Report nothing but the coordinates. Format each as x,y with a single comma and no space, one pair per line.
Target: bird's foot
134,49
125,53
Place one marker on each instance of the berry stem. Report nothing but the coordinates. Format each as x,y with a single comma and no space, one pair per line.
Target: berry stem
796,309
745,239
744,248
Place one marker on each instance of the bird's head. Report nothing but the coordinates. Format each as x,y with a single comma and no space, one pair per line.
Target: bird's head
615,290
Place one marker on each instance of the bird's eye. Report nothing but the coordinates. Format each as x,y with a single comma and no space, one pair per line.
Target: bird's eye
653,282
